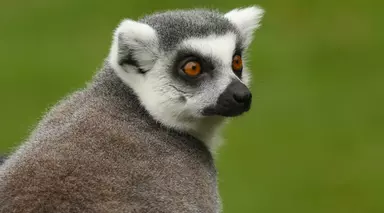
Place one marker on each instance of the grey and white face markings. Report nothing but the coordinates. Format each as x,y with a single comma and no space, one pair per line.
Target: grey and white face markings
217,71
209,66
150,55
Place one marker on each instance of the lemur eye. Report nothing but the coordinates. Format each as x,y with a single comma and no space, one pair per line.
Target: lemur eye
192,68
237,63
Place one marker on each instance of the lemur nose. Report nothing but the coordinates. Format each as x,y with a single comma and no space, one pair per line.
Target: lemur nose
235,100
242,96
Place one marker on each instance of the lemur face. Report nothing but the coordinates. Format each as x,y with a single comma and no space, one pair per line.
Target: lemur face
187,65
209,76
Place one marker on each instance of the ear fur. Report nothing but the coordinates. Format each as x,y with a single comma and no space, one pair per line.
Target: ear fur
134,44
247,21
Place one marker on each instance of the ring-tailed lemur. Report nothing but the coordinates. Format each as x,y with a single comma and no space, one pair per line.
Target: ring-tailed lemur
139,137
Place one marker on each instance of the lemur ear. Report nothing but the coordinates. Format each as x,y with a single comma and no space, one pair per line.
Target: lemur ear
135,45
247,21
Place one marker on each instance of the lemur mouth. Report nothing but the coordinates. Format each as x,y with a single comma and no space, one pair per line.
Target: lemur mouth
234,101
227,110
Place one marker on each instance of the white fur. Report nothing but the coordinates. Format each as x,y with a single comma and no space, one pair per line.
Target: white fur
138,36
221,47
247,21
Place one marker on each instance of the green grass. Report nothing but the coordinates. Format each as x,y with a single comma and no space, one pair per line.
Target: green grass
314,140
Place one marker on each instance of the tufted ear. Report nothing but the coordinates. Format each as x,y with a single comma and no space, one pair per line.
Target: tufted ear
247,21
135,45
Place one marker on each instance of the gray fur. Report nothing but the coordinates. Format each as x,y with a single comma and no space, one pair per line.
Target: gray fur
2,159
178,25
99,151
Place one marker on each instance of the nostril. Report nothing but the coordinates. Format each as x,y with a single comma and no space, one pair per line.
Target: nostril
242,97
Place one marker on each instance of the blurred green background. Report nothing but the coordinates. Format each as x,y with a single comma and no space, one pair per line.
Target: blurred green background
314,140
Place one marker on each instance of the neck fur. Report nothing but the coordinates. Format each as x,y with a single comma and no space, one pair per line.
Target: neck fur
208,130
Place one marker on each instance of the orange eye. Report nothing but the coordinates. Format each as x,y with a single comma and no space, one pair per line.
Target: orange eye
237,63
192,68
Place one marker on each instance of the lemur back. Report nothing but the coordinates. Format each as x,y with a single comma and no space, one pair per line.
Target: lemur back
99,151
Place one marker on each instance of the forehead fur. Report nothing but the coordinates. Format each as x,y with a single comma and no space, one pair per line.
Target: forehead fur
219,48
173,27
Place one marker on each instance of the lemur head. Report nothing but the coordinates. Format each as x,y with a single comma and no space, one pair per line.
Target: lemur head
187,67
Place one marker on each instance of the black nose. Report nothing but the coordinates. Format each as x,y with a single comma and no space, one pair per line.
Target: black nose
243,96
235,100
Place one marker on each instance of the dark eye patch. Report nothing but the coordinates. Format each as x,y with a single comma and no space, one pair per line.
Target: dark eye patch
208,62
185,56
208,65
